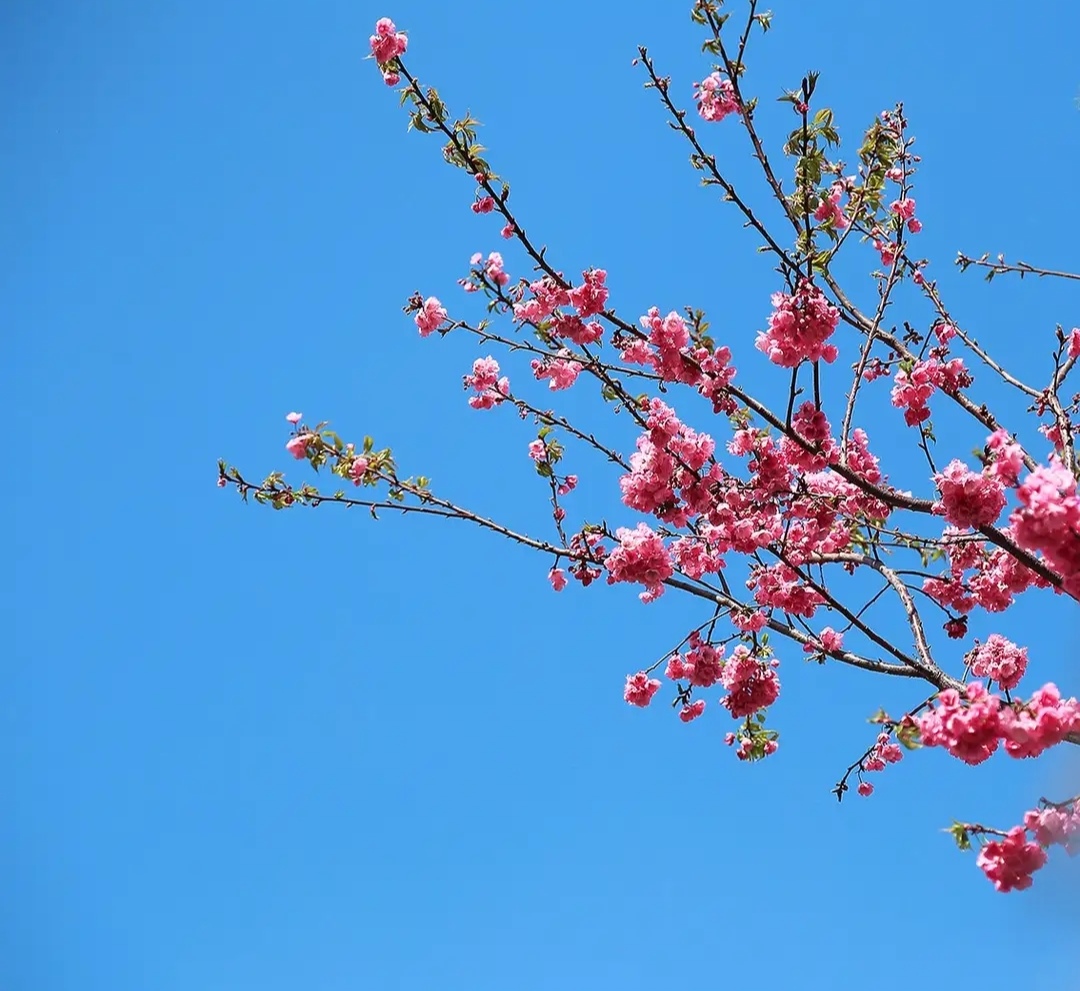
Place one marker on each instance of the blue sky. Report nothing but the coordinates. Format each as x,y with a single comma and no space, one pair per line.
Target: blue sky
255,750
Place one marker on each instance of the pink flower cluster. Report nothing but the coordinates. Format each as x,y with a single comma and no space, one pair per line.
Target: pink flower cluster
913,387
591,296
493,267
999,660
971,726
968,498
800,327
716,98
778,587
490,388
1048,520
702,665
430,317
998,577
905,210
561,370
1006,457
666,475
387,43
752,684
1010,861
640,557
640,689
828,641
829,209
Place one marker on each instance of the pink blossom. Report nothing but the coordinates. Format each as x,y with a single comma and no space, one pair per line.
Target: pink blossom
640,557
1056,826
537,450
1048,519
716,97
1008,457
297,446
1074,343
970,732
561,372
999,660
675,668
507,231
799,328
391,78
1042,722
829,208
752,685
387,42
485,204
293,417
568,485
968,498
1010,862
557,577
493,267
866,789
589,298
704,663
430,317
358,469
690,712
640,689
491,390
904,209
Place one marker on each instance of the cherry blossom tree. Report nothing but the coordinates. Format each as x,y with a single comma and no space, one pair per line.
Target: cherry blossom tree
779,513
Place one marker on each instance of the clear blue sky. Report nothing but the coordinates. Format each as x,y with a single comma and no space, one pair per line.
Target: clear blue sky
253,750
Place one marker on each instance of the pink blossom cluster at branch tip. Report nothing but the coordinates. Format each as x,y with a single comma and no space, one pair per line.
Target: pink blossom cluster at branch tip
430,317
387,43
883,753
800,327
1056,826
692,710
1011,861
716,98
493,267
640,689
490,388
